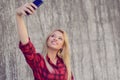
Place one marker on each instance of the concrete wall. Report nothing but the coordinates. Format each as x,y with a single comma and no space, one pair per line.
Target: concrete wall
93,27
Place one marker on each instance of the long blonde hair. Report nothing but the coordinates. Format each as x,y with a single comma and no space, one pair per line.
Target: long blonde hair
64,53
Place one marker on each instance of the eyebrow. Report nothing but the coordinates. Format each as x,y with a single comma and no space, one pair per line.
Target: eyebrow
59,36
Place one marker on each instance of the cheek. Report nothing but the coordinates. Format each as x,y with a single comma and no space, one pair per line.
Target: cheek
61,44
49,39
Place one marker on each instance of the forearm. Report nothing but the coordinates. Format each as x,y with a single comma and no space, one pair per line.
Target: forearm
20,12
22,30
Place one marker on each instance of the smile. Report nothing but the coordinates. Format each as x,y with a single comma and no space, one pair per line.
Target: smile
54,43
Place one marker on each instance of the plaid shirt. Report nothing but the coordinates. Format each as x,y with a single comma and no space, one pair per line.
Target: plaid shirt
38,66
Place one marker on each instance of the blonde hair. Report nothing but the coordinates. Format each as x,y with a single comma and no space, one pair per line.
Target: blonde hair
64,53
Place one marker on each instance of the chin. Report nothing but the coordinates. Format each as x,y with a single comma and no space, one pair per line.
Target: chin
54,48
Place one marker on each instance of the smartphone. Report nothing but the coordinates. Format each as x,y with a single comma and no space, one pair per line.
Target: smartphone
37,3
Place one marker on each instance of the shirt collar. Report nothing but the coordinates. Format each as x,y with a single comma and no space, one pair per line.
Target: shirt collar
50,62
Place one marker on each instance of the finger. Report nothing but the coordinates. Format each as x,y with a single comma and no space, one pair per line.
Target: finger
27,10
26,5
33,5
30,8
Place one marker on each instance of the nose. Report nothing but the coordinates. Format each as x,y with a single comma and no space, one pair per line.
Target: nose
55,38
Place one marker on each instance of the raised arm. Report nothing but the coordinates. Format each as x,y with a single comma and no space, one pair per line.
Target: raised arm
20,13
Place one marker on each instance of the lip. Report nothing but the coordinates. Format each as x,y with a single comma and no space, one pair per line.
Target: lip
54,42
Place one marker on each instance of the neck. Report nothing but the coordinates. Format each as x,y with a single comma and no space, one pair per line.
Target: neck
52,54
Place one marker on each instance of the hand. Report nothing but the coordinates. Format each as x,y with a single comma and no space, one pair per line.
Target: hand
26,8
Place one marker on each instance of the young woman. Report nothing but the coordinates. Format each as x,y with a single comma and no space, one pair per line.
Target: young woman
55,64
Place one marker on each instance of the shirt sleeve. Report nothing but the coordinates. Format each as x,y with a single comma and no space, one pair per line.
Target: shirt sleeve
72,78
30,54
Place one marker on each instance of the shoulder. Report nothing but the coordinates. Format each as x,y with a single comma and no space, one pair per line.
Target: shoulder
40,55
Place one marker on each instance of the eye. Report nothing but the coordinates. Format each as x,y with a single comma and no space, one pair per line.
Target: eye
52,35
60,38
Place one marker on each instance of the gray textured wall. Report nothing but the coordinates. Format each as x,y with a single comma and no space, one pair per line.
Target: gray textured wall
93,27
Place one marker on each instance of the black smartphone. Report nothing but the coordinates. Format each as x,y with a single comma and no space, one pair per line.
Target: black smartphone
37,3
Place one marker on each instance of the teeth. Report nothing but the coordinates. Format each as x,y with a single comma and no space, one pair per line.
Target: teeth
54,42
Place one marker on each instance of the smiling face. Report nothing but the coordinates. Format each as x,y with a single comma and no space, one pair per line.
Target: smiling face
55,40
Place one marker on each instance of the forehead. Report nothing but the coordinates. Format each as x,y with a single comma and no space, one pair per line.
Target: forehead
58,33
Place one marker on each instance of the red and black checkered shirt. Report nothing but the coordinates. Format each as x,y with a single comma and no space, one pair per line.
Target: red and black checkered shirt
37,63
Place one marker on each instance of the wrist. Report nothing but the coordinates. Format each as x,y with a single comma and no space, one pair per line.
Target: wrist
18,15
